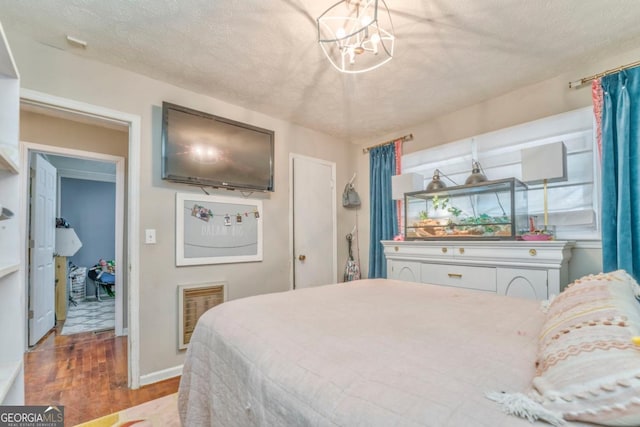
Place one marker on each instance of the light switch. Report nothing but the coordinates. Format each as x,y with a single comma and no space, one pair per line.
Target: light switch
150,236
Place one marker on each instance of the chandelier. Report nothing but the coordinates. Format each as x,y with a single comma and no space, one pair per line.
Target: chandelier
356,35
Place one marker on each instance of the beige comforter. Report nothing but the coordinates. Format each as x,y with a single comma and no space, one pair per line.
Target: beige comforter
368,353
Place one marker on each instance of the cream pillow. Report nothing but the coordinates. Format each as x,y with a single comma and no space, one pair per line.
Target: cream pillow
588,367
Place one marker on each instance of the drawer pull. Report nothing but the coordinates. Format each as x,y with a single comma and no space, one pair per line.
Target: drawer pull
455,276
444,250
461,250
396,249
533,252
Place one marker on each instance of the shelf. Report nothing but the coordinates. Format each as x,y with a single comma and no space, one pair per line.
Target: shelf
8,374
6,269
6,159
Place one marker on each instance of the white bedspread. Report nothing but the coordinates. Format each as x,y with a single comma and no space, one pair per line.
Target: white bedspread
368,353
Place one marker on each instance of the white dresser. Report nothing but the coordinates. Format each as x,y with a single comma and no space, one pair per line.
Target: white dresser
534,270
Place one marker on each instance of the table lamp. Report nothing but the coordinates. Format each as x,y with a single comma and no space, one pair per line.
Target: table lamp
544,164
67,242
405,183
401,184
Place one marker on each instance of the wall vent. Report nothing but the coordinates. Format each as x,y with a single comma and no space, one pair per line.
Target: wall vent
193,301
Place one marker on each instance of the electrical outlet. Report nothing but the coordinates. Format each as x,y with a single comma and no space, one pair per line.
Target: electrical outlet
150,236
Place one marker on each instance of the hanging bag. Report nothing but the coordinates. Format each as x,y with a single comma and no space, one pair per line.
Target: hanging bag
350,197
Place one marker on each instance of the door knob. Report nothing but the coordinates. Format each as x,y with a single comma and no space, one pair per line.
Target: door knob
302,257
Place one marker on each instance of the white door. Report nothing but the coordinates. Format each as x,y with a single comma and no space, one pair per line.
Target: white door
314,222
41,263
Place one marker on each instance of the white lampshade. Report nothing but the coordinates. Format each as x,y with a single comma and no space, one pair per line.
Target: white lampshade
67,242
547,161
405,183
543,164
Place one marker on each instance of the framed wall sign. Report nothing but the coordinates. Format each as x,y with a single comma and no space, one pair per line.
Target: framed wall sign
217,229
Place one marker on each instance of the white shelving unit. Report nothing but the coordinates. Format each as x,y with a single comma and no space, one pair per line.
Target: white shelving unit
8,375
12,304
5,270
5,213
8,158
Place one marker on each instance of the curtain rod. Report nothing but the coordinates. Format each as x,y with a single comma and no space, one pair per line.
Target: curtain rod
585,80
391,141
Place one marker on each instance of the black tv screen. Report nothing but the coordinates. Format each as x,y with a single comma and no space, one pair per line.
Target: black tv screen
207,150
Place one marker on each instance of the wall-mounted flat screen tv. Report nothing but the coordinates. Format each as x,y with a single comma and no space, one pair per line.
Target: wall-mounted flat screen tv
207,150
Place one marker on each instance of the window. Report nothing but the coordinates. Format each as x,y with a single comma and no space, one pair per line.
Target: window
573,205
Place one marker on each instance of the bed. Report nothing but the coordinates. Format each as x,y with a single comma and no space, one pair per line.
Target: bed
368,353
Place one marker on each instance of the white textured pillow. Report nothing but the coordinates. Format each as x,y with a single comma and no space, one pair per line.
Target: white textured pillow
588,367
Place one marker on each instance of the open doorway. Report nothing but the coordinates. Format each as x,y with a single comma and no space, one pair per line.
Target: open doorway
77,174
127,212
84,200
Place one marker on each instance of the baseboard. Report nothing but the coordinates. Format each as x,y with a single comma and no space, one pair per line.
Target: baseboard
162,375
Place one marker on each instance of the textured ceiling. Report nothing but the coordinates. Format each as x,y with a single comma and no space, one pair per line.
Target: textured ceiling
263,55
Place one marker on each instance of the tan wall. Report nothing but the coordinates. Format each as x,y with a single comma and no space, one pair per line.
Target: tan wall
59,132
120,90
525,104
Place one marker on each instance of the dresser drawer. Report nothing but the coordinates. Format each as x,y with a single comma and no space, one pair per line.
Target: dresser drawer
461,276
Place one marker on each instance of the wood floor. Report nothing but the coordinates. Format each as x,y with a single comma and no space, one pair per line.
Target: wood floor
87,374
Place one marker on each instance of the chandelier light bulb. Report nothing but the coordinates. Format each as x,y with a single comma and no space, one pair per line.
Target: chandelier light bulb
375,39
359,39
352,55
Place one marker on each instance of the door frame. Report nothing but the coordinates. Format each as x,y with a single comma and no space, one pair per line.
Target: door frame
331,164
133,122
119,161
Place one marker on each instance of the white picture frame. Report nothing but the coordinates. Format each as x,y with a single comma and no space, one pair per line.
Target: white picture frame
217,229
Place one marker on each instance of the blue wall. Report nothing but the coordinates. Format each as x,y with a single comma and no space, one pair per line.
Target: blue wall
89,208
